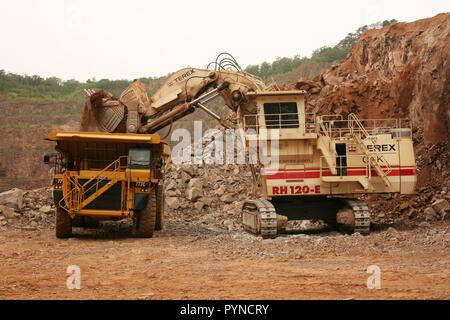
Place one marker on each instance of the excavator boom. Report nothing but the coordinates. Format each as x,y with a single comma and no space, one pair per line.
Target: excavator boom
183,92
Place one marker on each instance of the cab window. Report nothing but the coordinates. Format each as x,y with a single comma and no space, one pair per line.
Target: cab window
281,115
139,158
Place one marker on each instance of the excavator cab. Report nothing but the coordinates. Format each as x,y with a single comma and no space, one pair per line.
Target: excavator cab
321,162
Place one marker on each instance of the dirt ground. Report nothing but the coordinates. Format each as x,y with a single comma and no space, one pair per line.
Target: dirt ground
194,261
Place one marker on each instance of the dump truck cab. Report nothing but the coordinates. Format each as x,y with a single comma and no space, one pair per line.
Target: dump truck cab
108,176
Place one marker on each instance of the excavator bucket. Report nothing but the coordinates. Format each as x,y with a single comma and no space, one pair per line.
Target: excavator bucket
136,100
103,112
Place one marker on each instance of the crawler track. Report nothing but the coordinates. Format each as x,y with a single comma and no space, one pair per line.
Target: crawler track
259,217
362,215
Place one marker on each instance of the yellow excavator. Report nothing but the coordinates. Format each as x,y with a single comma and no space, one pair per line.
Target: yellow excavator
323,162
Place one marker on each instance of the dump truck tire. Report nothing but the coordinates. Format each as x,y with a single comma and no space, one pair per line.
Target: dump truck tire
159,224
63,224
146,218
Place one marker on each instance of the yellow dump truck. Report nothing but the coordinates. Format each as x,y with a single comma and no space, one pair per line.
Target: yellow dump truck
108,176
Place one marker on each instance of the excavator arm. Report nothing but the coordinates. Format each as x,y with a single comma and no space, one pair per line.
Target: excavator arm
182,93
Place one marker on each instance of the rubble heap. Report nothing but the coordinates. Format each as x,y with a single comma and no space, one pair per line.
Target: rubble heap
26,209
213,195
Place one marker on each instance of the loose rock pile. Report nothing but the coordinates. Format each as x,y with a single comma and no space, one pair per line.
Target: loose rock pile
212,195
431,202
26,209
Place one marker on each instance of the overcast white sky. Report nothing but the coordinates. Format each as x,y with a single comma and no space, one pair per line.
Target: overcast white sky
129,39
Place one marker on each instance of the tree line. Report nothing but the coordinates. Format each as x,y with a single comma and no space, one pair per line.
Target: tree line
267,70
35,88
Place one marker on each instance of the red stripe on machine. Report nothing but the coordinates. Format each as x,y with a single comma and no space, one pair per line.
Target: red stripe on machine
312,173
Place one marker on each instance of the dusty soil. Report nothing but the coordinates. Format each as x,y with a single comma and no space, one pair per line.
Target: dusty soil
193,261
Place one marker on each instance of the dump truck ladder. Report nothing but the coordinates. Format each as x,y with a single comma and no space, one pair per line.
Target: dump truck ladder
71,200
78,197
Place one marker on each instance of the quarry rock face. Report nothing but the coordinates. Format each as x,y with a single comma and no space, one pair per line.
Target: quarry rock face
399,71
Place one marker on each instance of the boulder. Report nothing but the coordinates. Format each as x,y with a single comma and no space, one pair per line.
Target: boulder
185,177
194,194
194,189
440,205
173,193
171,186
190,170
7,212
306,84
207,201
46,209
228,224
220,191
315,90
12,198
184,205
404,205
199,205
172,202
227,198
430,214
196,183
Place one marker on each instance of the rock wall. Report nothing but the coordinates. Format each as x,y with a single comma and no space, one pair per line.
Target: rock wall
402,70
